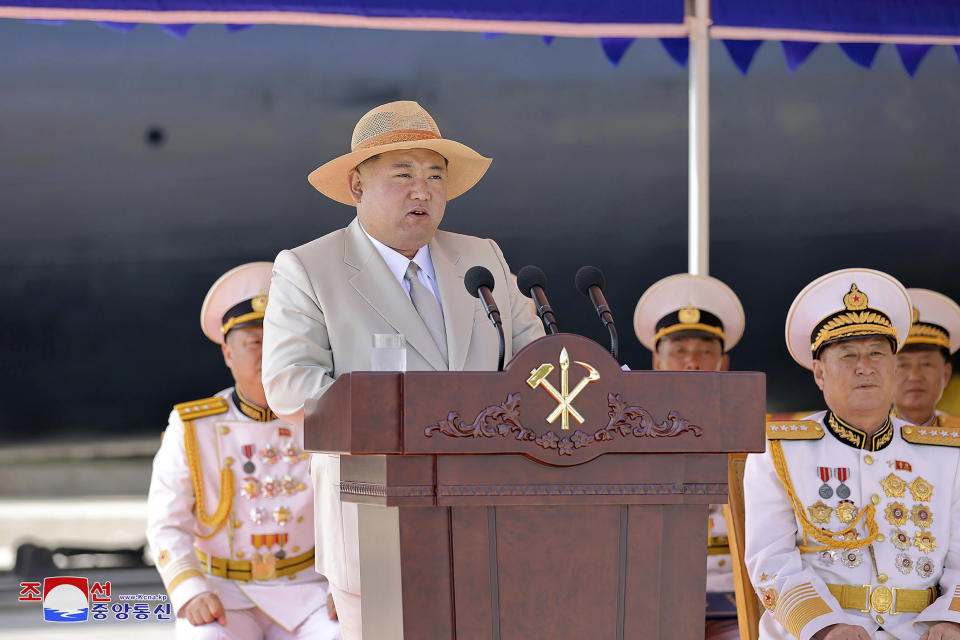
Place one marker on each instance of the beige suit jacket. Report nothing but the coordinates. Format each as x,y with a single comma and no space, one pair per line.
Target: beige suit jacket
327,299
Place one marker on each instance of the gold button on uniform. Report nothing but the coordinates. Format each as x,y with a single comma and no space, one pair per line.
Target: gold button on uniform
875,499
880,619
881,538
882,578
868,459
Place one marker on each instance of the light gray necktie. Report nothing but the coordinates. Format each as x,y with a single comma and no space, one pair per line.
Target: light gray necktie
428,308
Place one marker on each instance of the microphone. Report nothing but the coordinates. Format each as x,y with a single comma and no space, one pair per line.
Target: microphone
479,282
590,283
532,281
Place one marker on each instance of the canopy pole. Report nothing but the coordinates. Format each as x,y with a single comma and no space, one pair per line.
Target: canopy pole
698,231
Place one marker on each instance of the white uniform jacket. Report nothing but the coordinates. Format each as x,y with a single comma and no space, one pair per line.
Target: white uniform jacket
889,587
265,524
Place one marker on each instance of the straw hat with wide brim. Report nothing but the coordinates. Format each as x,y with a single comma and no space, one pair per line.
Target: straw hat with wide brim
392,127
242,292
847,304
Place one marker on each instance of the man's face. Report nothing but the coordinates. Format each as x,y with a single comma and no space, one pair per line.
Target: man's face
857,375
401,197
690,353
242,352
922,375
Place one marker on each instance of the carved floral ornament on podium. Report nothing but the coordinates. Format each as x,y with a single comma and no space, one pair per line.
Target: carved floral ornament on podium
858,27
623,419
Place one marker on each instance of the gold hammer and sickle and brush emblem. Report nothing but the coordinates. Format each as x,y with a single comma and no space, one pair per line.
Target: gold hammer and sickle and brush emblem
564,397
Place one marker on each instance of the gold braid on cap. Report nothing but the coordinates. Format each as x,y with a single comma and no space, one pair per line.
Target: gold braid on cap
927,333
825,537
856,319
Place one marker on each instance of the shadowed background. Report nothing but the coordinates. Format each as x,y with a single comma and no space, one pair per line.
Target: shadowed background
136,168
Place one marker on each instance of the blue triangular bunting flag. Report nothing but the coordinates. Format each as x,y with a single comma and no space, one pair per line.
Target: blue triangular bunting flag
233,28
176,30
861,53
614,48
122,27
492,35
796,53
911,55
548,40
678,49
742,52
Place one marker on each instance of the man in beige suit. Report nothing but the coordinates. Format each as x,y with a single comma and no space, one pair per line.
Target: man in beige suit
389,271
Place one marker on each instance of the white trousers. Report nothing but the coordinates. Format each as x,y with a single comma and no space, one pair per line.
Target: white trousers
348,611
253,624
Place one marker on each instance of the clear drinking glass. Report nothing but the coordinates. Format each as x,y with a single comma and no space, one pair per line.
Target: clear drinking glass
389,352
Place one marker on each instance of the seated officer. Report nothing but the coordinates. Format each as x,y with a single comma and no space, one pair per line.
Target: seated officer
851,514
690,323
230,510
923,364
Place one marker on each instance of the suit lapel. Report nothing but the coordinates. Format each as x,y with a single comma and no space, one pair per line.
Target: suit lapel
377,285
458,305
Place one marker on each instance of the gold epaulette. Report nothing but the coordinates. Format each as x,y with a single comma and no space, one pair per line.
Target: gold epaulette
943,436
949,421
201,408
794,430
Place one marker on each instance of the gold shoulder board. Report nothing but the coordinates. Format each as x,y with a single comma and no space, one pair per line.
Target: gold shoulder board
201,408
943,436
949,421
794,430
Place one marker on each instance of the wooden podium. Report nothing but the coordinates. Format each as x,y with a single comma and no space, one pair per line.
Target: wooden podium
561,498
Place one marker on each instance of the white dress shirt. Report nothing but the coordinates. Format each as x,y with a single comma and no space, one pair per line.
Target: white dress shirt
398,263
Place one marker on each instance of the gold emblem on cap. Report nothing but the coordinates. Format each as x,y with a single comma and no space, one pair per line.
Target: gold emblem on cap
259,303
689,315
855,300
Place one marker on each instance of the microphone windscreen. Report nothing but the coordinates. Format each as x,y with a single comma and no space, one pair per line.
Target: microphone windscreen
529,277
477,277
587,277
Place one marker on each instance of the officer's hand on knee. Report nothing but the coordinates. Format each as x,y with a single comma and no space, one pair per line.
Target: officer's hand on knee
842,632
204,608
942,631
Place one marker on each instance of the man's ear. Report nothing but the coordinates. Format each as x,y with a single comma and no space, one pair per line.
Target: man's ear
356,186
818,373
947,372
227,353
656,361
725,363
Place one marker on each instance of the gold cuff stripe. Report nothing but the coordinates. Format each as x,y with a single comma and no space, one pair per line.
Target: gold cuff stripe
234,321
180,577
955,603
802,614
220,516
693,326
787,599
943,435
